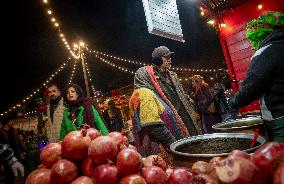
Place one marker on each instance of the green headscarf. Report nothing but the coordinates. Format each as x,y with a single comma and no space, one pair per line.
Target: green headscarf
264,25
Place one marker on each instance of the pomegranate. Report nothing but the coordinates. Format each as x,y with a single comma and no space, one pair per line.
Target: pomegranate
278,176
154,175
215,161
129,161
75,145
50,154
203,179
101,149
236,170
180,176
120,139
201,167
133,179
105,174
93,133
130,146
240,153
63,171
267,156
88,167
169,171
39,176
154,160
82,180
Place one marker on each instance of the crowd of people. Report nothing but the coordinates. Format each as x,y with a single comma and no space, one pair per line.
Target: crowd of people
162,111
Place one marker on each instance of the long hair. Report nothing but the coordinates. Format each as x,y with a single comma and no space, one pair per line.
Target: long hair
77,88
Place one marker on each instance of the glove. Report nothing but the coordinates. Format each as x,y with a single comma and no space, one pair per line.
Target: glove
16,167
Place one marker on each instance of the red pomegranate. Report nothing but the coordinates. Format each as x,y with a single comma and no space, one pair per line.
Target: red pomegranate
75,145
240,153
93,133
169,171
278,176
215,161
105,174
82,180
203,179
235,170
154,175
130,146
50,154
120,139
267,156
201,167
88,167
154,160
180,176
39,176
63,172
129,161
101,149
133,179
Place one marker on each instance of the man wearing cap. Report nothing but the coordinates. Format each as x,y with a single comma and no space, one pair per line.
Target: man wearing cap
265,77
159,107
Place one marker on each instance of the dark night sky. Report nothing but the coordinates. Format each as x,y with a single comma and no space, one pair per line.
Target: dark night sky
33,50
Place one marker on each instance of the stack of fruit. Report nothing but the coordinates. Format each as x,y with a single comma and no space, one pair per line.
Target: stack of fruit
87,157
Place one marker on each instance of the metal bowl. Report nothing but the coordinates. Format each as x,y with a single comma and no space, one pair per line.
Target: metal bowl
247,123
204,147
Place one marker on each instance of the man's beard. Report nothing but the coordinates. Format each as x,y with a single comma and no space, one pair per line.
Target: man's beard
53,97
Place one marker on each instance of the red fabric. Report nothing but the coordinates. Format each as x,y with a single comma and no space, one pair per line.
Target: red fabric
159,90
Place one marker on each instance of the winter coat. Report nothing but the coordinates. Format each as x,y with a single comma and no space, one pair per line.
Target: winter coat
265,78
53,128
68,126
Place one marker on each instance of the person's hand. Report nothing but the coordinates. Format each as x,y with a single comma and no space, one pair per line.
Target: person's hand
18,167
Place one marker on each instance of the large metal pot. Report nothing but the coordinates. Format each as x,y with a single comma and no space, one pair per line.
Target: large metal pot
204,147
240,125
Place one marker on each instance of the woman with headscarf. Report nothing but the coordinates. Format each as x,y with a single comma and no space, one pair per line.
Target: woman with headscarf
80,110
159,105
205,103
265,77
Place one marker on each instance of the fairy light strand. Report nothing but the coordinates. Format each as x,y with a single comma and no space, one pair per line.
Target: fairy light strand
54,22
89,74
32,94
73,72
121,68
117,58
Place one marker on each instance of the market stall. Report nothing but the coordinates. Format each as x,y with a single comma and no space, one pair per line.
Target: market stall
230,18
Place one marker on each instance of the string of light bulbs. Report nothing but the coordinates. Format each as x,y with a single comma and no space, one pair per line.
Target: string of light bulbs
124,69
32,94
89,74
73,71
117,58
121,68
55,23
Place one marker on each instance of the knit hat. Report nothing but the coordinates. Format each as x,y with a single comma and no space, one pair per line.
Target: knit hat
264,25
161,51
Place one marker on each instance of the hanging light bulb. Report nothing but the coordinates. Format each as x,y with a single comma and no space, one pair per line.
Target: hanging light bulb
259,6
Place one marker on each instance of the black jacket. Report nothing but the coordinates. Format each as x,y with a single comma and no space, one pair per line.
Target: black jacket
265,78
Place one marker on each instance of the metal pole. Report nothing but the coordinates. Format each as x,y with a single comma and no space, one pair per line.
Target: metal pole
85,73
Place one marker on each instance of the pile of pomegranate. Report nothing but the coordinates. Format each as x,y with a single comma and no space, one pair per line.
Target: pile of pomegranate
264,166
87,157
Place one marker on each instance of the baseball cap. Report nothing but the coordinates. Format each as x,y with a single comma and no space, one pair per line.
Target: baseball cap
161,51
